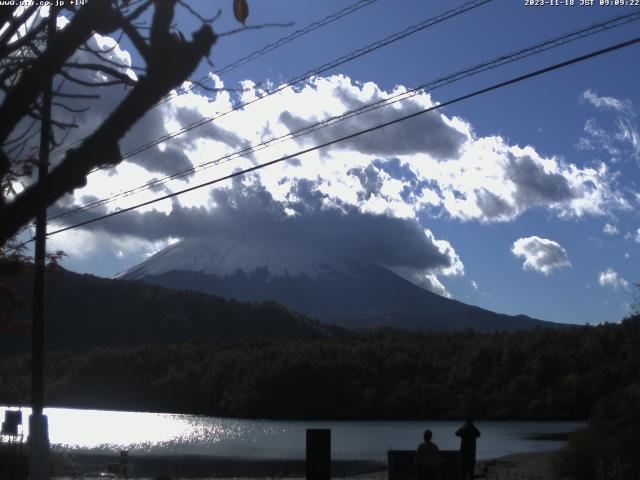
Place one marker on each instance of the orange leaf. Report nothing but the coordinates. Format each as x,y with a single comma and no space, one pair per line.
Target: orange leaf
241,10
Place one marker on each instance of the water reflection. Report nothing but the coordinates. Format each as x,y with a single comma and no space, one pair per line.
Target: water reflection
151,433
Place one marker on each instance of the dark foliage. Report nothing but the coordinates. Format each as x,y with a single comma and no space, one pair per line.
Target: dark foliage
31,66
536,374
84,311
368,295
608,448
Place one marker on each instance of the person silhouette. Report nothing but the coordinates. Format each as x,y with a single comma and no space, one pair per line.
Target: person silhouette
468,434
428,458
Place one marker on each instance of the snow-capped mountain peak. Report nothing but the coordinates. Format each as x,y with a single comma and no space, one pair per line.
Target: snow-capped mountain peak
224,258
343,291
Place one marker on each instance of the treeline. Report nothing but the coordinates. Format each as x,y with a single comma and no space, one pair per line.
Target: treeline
538,374
608,448
84,311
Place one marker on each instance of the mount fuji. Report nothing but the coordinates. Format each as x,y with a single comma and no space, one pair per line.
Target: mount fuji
334,290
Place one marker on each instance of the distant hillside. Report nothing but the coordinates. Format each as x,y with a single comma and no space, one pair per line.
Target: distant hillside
539,374
339,291
84,311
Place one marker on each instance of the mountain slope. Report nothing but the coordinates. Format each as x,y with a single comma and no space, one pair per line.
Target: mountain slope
333,290
84,311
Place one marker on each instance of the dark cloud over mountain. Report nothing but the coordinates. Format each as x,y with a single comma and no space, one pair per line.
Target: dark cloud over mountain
248,210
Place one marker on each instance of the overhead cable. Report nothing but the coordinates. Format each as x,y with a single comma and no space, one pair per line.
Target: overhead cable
423,88
253,55
316,71
277,44
403,118
306,76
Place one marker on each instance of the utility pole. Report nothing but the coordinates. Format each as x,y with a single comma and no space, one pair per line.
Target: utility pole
38,441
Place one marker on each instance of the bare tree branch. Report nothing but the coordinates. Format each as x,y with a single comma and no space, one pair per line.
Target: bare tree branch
55,143
98,16
22,135
56,123
31,35
138,11
97,67
14,25
99,54
68,108
138,40
90,83
17,150
209,89
77,96
193,12
171,61
254,27
6,14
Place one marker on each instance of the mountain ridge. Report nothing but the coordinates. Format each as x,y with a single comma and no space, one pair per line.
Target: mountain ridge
345,292
84,311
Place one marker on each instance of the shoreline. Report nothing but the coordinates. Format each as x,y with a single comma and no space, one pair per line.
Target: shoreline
520,466
26,407
202,466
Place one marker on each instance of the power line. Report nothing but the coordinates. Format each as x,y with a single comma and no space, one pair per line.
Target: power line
323,68
526,52
253,55
278,43
327,66
491,88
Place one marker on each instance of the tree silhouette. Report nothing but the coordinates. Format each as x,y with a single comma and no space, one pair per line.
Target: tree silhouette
28,63
634,308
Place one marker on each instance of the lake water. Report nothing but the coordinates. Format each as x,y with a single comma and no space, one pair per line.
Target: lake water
99,431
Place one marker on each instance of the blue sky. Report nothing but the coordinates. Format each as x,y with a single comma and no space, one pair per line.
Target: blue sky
528,196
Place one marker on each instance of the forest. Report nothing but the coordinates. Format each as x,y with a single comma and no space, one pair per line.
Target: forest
85,311
540,374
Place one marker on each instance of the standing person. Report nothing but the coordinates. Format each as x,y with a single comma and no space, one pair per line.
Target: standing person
428,458
468,434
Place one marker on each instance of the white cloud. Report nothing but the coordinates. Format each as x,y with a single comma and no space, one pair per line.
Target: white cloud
637,237
428,281
607,103
432,133
78,243
432,166
306,220
619,140
474,284
540,254
610,278
495,182
610,229
82,244
627,132
596,138
442,168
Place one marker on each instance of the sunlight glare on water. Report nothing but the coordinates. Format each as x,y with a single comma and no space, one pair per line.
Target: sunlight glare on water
95,429
140,432
100,431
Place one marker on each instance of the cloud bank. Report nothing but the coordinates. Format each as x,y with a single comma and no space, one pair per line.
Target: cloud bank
307,221
370,197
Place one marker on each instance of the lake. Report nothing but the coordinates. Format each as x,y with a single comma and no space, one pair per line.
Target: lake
98,431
